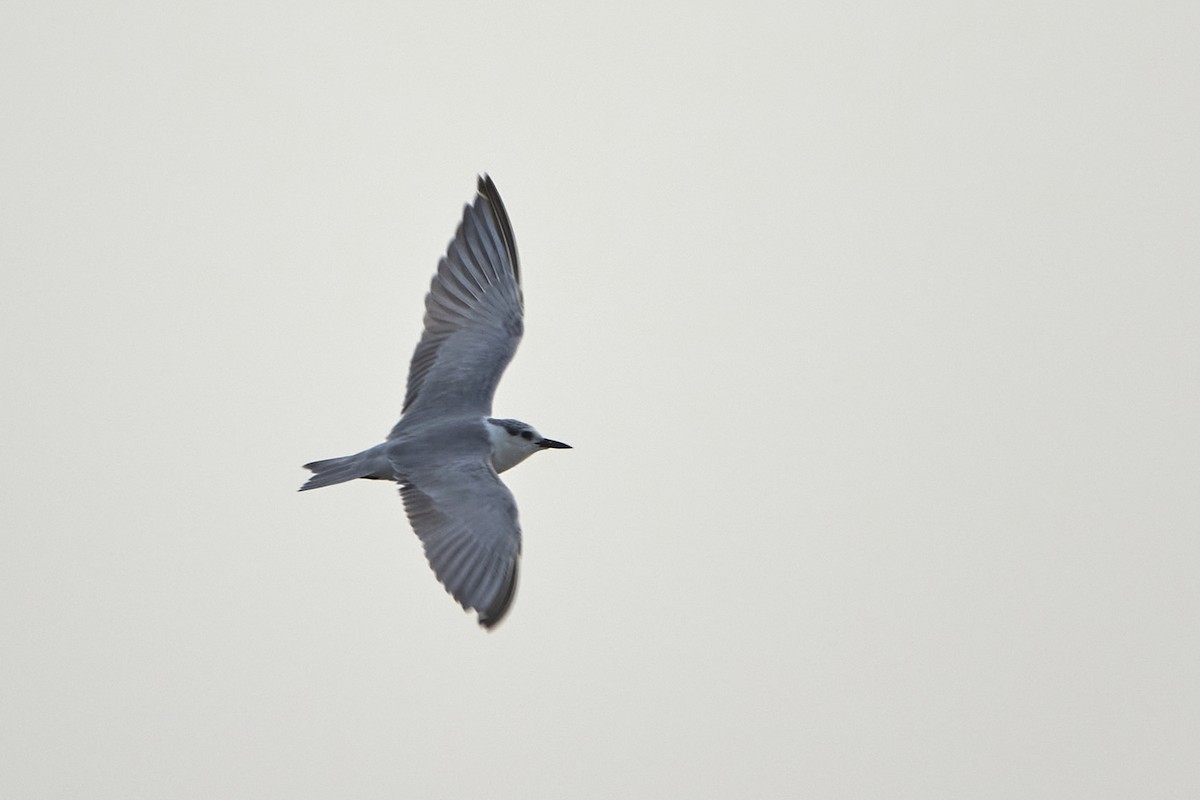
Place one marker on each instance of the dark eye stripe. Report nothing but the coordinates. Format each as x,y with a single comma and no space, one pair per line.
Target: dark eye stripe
526,435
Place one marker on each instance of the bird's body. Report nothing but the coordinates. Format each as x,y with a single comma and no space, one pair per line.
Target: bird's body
447,450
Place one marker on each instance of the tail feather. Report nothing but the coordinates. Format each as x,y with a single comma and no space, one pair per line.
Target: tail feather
334,470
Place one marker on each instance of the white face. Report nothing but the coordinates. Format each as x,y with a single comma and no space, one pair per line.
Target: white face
511,446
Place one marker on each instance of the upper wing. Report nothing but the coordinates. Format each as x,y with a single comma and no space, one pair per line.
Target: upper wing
473,315
467,520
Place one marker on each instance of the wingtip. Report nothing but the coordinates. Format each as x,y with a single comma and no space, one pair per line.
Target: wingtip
486,188
494,614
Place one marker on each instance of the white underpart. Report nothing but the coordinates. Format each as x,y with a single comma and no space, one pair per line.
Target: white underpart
509,450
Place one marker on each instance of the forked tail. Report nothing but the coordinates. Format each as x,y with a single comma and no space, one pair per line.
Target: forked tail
335,470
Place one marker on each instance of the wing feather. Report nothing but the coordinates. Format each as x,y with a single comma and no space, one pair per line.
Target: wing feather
474,315
466,519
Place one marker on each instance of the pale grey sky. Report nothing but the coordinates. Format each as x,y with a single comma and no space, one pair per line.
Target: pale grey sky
873,327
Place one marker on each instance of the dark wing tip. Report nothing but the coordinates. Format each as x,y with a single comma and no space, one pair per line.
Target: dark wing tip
492,616
488,191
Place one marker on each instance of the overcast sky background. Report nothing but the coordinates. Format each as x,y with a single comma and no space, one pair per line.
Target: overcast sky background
874,329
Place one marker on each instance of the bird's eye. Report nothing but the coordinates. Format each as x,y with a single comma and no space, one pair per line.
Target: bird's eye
526,435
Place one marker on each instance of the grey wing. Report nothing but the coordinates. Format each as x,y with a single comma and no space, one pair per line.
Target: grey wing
467,520
473,315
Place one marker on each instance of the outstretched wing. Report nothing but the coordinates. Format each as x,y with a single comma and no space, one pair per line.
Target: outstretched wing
467,520
473,315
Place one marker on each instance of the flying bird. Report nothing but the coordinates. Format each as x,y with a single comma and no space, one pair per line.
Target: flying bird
447,450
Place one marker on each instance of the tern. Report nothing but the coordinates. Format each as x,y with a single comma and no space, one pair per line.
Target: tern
447,450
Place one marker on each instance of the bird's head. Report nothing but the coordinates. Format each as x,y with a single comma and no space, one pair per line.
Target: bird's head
514,441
